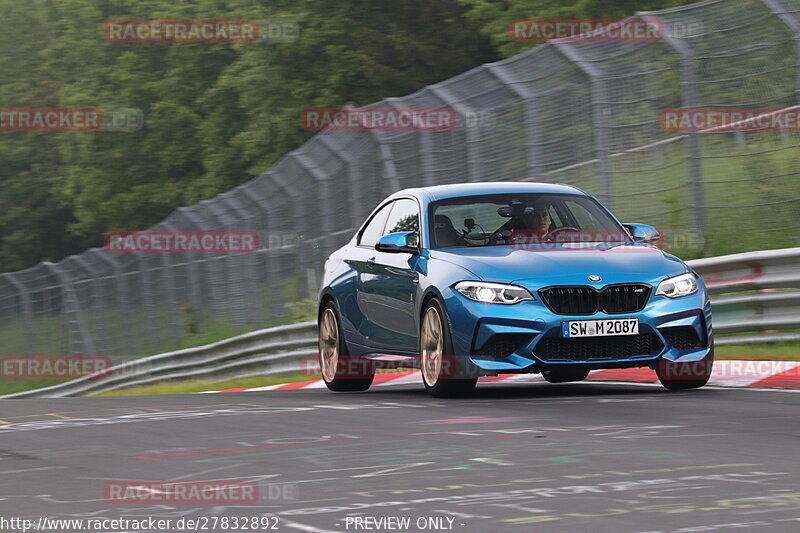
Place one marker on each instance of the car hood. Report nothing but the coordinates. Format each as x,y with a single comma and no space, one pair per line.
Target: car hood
569,263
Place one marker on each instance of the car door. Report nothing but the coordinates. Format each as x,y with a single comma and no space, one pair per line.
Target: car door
361,259
389,284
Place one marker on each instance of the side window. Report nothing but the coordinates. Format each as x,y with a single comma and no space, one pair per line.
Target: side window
554,218
404,217
585,219
374,230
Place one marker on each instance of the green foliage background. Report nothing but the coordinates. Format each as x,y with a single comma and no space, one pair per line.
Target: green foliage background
215,115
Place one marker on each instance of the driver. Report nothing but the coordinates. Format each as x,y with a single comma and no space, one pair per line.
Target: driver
539,220
535,225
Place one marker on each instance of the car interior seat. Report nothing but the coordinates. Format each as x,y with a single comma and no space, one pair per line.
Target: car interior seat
445,234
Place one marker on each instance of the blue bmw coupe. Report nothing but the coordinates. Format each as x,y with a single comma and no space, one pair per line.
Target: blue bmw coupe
480,279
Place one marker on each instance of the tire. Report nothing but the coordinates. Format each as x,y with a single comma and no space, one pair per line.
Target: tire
443,374
340,372
565,375
698,373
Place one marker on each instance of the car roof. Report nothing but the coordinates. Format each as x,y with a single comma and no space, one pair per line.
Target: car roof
439,192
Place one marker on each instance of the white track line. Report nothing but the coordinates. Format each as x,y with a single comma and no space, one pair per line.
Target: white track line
726,373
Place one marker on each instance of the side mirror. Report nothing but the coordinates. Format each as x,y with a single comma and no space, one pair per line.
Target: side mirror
404,242
643,232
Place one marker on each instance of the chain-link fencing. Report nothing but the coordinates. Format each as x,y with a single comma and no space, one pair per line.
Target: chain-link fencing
583,112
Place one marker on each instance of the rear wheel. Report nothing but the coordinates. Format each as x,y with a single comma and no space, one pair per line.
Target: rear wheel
340,372
443,374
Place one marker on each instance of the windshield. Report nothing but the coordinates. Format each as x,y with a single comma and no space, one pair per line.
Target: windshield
518,219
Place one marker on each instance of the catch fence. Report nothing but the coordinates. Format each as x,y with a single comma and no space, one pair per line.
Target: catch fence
582,112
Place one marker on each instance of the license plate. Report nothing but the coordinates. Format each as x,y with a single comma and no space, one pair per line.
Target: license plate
600,328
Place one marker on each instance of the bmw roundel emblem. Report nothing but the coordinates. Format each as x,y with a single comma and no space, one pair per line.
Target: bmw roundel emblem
595,279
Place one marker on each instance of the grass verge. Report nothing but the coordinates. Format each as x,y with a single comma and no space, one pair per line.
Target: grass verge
10,386
190,386
766,351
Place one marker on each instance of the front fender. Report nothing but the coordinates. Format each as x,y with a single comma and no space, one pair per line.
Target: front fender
436,279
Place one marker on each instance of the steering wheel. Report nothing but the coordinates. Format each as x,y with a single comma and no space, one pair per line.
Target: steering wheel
549,235
499,234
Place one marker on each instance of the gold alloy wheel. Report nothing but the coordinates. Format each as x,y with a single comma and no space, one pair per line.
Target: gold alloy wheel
432,346
328,344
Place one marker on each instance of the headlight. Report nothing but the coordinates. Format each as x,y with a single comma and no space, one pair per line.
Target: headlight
682,285
492,293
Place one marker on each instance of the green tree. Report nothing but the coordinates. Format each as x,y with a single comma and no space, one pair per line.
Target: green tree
495,16
215,115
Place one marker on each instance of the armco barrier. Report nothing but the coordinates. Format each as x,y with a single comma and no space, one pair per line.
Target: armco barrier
738,309
733,281
578,111
268,351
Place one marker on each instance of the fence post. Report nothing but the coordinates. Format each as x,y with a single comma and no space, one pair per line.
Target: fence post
422,151
226,212
325,206
240,204
301,220
387,161
169,288
82,343
533,140
27,313
602,142
357,208
197,272
689,100
385,155
262,258
216,266
790,18
131,345
471,143
100,330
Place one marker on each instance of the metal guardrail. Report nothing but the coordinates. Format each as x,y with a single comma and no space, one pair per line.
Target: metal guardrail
578,111
268,351
740,308
749,295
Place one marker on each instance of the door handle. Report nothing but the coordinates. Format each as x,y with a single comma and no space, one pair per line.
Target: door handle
371,262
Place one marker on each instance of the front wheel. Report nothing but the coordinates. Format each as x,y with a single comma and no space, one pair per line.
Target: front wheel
682,376
443,374
340,372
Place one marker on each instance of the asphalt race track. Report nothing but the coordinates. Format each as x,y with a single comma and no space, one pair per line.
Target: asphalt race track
591,457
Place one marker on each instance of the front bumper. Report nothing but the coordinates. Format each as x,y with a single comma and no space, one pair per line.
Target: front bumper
526,337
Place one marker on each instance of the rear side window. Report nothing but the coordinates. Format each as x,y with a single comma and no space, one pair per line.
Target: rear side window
374,229
587,214
404,217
